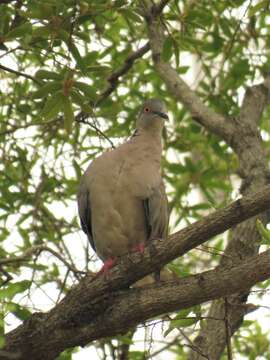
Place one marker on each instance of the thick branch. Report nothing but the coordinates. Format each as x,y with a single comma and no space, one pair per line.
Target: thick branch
244,238
121,310
92,298
255,100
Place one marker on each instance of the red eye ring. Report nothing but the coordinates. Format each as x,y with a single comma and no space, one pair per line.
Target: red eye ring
146,109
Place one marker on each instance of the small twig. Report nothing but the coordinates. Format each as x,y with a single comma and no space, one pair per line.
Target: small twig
165,347
232,40
227,329
191,345
93,126
19,127
212,251
6,1
63,286
18,73
11,50
113,79
159,7
37,250
7,275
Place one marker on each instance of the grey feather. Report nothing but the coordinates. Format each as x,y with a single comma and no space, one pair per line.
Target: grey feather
84,208
156,212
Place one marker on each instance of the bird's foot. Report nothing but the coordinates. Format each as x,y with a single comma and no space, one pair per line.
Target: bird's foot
139,248
108,264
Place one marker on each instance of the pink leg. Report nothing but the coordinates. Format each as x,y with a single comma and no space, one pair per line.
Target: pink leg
108,264
139,248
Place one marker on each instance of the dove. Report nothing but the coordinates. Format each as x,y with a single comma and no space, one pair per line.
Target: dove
121,199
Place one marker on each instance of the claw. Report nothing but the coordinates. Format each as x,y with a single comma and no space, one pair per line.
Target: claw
139,248
108,264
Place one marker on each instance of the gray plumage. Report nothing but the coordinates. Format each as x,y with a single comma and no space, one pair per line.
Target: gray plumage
121,198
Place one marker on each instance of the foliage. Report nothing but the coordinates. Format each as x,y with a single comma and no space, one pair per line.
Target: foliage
63,103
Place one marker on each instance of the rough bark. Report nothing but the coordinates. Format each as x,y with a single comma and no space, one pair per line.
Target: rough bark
99,307
41,338
244,238
243,136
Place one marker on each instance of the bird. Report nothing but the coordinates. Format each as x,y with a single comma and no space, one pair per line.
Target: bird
122,202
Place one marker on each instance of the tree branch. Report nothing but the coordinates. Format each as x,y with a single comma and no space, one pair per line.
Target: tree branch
37,250
95,307
18,73
113,79
214,122
6,1
119,311
244,238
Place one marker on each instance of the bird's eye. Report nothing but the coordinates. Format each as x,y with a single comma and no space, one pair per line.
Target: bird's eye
146,109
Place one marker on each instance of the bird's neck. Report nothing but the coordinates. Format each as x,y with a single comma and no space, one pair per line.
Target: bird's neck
150,140
154,133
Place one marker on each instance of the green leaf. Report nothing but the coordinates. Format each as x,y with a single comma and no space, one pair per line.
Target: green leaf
41,31
41,10
131,15
12,289
86,89
183,313
50,87
81,100
19,31
91,57
77,57
180,323
45,74
20,312
52,106
68,114
167,50
99,68
64,35
265,233
258,7
3,47
240,68
77,169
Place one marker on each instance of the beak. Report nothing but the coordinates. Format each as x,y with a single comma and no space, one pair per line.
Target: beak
161,114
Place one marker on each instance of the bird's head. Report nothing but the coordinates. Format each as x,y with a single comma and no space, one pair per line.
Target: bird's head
152,115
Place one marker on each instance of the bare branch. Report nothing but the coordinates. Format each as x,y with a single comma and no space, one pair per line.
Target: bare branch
192,345
83,120
14,128
43,337
95,307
